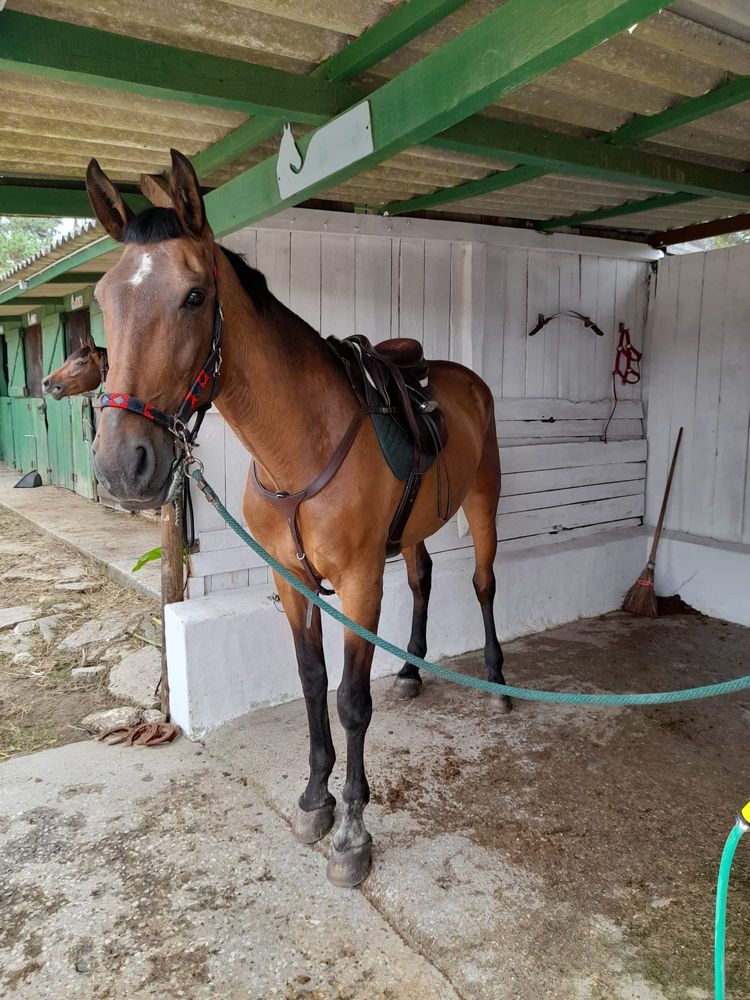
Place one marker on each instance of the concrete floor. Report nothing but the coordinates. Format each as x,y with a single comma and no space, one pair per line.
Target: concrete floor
113,539
553,853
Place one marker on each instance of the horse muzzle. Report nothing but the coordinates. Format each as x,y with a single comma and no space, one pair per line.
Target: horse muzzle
134,468
56,391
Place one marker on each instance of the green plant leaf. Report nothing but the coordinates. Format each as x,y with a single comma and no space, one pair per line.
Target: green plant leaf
147,557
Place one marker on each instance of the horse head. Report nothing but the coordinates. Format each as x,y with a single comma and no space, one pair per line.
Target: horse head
82,371
159,304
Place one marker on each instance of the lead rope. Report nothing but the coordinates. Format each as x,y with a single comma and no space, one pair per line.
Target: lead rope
529,694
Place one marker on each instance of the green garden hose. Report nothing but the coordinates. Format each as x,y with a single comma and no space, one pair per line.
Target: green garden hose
720,926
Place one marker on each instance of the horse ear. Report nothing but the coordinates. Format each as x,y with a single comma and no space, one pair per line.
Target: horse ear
105,199
156,190
186,195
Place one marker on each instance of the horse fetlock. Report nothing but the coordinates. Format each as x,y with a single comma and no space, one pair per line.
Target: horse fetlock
352,832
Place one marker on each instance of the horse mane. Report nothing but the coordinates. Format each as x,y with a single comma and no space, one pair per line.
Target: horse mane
154,225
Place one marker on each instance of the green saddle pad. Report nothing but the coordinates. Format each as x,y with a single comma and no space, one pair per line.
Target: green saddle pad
395,441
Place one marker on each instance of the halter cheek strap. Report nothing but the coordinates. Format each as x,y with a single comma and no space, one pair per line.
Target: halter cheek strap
176,423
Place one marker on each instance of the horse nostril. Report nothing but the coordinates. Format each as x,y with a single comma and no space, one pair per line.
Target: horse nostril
140,461
144,463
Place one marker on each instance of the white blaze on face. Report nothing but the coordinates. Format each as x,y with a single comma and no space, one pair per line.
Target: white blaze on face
145,268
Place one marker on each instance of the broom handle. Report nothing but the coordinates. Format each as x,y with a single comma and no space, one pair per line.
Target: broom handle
663,511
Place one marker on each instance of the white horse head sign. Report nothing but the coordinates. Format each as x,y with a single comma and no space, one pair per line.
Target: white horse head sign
336,145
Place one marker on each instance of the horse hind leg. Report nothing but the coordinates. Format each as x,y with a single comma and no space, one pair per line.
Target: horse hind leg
408,683
480,508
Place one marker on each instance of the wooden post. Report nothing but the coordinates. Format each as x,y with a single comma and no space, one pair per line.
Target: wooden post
171,584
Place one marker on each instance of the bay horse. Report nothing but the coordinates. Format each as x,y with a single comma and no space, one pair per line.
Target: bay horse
285,394
82,371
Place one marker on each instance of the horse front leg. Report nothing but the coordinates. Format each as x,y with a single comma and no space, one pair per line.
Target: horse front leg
314,816
351,853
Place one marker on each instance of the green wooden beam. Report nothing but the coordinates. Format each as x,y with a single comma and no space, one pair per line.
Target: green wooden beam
76,278
470,189
645,126
582,158
39,300
396,29
515,44
637,130
73,202
63,51
617,211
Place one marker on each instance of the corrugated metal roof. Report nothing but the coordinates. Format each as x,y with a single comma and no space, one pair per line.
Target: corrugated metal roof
53,128
59,247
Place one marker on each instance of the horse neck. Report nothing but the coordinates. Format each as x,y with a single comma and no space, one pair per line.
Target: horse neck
282,390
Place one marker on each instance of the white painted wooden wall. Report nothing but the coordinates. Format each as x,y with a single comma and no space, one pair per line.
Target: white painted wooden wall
698,376
470,295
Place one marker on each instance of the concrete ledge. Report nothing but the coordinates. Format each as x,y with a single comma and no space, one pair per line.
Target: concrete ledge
231,653
712,576
112,540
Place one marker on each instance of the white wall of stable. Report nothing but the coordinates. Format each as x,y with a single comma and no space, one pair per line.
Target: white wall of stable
698,377
572,506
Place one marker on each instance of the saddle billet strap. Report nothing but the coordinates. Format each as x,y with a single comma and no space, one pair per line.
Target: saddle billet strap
289,503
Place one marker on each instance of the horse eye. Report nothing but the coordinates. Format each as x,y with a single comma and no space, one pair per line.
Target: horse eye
195,298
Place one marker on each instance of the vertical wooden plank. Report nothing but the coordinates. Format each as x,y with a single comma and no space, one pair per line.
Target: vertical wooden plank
274,260
658,357
411,289
460,305
82,418
337,292
684,375
212,452
244,241
544,298
372,312
304,290
494,318
582,372
437,299
704,440
734,404
552,330
516,323
570,298
627,278
604,347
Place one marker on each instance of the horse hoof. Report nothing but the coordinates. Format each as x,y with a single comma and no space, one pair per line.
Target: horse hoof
310,827
503,700
347,869
405,688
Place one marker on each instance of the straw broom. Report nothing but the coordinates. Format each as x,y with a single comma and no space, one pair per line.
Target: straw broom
641,599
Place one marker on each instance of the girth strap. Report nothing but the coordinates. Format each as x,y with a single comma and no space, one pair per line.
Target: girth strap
289,503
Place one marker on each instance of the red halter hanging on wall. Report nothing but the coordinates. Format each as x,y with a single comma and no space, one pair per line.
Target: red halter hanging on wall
627,368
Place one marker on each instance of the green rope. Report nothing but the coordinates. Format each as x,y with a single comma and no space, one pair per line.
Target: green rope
529,694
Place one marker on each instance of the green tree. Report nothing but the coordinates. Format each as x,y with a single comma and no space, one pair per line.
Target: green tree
22,237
